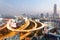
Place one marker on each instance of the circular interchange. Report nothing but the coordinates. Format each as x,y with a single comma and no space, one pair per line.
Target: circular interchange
29,30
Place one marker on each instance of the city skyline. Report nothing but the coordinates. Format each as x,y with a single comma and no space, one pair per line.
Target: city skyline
28,6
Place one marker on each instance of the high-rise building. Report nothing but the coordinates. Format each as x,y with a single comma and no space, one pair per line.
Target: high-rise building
47,15
55,9
41,15
55,15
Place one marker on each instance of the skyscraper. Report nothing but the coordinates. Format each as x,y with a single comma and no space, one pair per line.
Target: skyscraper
47,15
55,9
41,15
55,15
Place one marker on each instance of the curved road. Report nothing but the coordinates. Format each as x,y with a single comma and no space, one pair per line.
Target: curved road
11,33
23,29
18,30
26,34
28,31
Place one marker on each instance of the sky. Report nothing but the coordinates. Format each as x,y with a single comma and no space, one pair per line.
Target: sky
17,7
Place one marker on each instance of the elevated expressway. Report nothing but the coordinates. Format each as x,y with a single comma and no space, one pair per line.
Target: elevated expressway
24,30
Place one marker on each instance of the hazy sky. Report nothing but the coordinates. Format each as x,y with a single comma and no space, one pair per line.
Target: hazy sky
28,6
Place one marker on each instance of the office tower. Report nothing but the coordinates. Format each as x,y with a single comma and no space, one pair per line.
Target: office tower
55,9
41,15
47,15
55,15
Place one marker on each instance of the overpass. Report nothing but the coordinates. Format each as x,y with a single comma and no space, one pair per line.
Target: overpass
24,30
